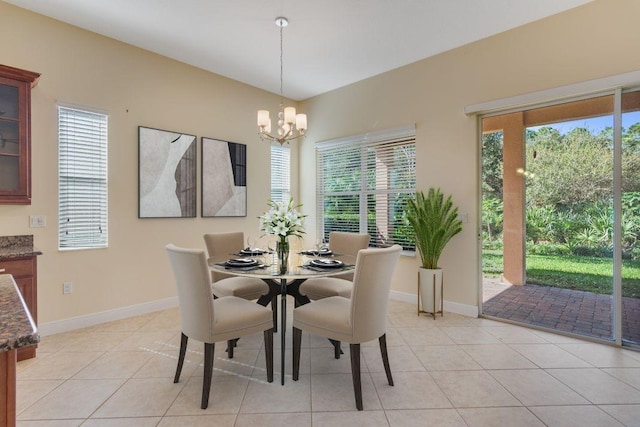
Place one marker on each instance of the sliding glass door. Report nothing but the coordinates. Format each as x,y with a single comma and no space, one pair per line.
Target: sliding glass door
561,217
630,217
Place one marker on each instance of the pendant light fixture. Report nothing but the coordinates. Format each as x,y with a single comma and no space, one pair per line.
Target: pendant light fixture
290,125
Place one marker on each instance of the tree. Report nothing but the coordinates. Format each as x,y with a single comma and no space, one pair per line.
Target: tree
567,170
492,168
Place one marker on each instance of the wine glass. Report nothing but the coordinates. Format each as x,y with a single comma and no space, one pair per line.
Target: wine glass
271,252
251,243
320,245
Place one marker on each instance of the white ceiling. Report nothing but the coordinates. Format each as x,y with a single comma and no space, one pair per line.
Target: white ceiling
328,43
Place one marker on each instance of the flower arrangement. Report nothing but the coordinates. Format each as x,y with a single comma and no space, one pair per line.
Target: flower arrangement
282,220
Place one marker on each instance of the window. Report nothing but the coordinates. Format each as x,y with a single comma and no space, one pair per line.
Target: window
82,179
363,185
280,173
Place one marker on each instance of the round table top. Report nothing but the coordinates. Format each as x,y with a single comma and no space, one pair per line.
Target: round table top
299,267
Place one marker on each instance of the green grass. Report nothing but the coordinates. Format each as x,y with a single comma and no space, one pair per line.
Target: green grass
571,272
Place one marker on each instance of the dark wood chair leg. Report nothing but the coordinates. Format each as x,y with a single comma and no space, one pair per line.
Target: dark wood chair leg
230,345
297,342
183,350
209,349
268,351
385,357
337,350
274,310
355,374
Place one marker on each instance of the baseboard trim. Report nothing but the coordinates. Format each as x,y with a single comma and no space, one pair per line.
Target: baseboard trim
450,306
80,322
92,319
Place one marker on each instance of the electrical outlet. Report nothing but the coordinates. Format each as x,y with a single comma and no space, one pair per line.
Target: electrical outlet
463,217
37,221
67,288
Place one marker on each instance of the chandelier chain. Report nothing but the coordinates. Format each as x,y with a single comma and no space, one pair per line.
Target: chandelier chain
281,67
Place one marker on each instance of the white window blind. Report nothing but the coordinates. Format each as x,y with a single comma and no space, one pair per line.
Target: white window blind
280,173
364,183
82,179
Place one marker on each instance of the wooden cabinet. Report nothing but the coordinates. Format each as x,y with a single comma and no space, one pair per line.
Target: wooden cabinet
15,134
24,271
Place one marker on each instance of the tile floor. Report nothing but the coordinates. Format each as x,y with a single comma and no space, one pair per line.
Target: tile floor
454,371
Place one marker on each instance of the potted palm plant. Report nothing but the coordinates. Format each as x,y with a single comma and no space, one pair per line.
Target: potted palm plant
435,221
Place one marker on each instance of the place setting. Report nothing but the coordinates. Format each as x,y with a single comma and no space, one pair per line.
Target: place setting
242,264
325,264
252,249
321,250
326,252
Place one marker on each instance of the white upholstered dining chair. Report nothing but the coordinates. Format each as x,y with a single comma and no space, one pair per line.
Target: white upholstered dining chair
359,319
207,320
341,243
250,288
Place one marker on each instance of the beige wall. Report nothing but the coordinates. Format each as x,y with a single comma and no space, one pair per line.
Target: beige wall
135,88
595,40
139,88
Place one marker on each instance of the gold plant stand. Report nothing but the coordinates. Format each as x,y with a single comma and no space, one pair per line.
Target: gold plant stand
433,312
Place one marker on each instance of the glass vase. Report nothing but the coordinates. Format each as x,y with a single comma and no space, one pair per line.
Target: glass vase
282,250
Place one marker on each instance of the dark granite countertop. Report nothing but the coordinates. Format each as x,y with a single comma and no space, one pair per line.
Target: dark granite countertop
17,328
17,246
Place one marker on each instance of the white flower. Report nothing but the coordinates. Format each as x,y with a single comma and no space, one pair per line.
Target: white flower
282,219
281,229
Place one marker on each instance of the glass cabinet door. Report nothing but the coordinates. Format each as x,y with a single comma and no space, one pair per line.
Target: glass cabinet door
9,139
15,142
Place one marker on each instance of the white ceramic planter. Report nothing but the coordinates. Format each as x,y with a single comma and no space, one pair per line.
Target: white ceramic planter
430,290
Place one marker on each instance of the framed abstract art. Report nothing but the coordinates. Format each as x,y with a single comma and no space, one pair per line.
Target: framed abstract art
224,178
167,174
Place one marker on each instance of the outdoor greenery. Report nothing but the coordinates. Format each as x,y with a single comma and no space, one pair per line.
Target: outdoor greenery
592,274
381,178
569,208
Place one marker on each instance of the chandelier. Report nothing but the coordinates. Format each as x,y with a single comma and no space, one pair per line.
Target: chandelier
290,125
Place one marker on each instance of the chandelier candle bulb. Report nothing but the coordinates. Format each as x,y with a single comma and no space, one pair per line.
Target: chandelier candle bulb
289,115
263,118
301,122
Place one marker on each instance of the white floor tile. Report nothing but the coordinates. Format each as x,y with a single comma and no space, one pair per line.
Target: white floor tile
574,416
453,371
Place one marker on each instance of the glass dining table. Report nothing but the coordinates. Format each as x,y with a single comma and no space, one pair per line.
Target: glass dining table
300,267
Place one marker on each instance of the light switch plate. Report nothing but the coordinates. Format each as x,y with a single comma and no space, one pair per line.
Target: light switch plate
37,221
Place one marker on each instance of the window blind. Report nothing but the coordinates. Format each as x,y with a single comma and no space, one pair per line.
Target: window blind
364,183
280,173
82,179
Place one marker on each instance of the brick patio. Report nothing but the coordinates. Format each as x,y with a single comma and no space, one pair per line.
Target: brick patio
578,312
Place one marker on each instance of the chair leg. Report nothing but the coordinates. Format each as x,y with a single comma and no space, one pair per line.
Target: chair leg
385,357
355,374
268,351
274,310
297,342
230,345
209,348
183,350
337,350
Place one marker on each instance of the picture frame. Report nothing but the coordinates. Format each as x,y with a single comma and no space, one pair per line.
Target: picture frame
224,178
167,174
